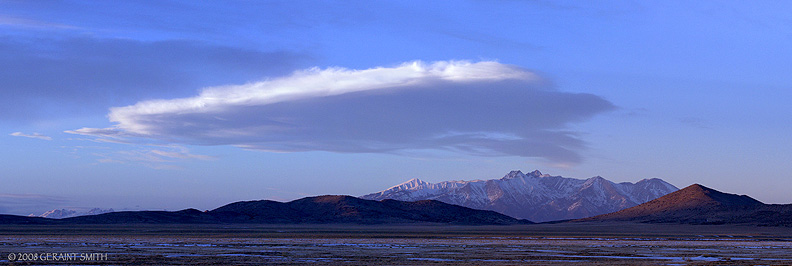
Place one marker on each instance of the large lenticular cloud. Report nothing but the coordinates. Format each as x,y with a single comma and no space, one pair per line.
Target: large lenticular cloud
483,108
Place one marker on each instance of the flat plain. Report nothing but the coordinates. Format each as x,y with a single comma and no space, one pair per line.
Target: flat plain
429,244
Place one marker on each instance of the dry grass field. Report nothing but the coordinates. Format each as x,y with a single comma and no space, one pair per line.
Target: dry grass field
544,244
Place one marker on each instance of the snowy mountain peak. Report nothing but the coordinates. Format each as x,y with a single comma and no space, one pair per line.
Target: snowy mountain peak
514,174
596,179
58,213
534,196
519,174
411,184
66,213
651,180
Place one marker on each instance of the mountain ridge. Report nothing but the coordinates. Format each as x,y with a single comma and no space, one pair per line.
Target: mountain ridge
534,196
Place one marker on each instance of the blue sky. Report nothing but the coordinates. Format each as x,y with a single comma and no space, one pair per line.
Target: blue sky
177,104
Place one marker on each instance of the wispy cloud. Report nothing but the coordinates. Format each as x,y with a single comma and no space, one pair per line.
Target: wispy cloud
483,108
105,135
158,157
34,135
34,24
183,154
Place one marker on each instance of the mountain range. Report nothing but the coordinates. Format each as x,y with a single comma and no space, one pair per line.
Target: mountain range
543,196
310,210
534,196
697,204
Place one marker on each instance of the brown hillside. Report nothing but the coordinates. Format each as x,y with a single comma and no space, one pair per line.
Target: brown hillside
697,204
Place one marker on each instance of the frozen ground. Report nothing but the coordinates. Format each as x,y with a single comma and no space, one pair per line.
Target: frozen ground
597,244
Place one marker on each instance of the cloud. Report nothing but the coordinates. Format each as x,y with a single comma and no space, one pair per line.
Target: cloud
34,135
484,108
34,24
50,77
107,135
159,157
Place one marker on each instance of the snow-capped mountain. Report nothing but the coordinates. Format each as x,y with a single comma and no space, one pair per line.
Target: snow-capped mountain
66,213
534,196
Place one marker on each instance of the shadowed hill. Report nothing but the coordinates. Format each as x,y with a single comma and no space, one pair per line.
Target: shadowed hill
697,204
16,219
187,216
311,210
348,209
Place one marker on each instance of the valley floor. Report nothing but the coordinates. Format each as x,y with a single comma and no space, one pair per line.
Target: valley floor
543,244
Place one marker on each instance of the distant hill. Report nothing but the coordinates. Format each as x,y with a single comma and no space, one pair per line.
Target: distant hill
311,210
17,219
697,204
534,196
66,213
